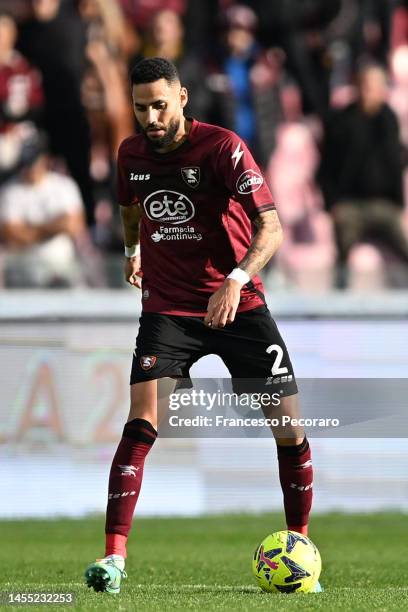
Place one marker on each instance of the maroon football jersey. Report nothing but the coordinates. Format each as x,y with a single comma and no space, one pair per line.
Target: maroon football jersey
197,204
20,90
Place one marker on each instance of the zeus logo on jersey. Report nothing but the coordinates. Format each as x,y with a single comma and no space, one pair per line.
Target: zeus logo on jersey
169,207
139,177
237,154
249,181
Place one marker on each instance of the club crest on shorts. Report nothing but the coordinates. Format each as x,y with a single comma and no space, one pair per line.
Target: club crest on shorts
147,361
191,176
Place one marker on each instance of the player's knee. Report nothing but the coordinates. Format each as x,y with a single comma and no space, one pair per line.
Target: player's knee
143,402
145,412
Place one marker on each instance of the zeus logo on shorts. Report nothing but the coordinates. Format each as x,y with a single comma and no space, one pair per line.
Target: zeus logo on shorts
168,207
249,181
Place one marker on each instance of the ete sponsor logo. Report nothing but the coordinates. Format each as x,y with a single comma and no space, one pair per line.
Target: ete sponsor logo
168,207
249,181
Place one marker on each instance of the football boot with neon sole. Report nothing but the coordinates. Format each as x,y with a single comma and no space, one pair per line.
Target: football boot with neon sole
105,575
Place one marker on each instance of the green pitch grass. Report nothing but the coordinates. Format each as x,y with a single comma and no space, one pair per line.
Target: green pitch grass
205,563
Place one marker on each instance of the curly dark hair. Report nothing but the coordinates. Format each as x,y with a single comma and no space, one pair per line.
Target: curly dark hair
153,69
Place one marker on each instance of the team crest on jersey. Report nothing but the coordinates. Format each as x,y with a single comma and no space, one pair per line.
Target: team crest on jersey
191,176
147,361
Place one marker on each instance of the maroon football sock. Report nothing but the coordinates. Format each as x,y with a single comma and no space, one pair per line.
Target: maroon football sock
125,481
296,478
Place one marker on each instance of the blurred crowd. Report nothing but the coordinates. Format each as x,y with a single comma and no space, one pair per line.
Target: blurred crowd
317,88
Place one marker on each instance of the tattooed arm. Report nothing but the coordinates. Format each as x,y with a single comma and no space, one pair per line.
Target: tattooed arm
223,304
266,242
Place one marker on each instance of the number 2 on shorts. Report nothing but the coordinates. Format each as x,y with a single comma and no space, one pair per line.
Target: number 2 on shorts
276,366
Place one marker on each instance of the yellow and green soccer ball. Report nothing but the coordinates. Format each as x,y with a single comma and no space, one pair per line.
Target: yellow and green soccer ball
287,562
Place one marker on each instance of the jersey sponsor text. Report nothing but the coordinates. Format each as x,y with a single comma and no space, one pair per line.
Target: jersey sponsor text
168,207
249,181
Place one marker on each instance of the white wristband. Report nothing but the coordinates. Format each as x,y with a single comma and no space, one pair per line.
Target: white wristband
239,275
132,251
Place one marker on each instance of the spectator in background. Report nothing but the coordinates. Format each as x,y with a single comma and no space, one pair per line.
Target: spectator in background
374,39
201,21
299,28
54,40
399,103
399,24
19,9
323,41
358,35
106,20
21,97
344,43
110,42
141,12
307,255
361,174
42,223
398,63
248,85
165,38
399,90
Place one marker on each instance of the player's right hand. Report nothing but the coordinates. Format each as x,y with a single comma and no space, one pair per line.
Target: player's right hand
223,304
133,272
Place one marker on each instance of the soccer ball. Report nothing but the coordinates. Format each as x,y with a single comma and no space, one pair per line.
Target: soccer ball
287,562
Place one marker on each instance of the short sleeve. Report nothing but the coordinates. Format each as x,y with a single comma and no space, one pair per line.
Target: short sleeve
124,195
239,172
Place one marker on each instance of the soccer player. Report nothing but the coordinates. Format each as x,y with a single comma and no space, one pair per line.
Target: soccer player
189,193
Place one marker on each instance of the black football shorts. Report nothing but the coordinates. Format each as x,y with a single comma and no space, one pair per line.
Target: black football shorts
251,348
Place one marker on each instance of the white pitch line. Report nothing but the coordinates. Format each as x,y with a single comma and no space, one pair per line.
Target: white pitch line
216,587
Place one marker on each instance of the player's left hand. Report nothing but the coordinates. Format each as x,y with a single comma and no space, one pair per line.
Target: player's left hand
223,304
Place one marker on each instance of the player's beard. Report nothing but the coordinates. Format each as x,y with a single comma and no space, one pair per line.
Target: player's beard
165,140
